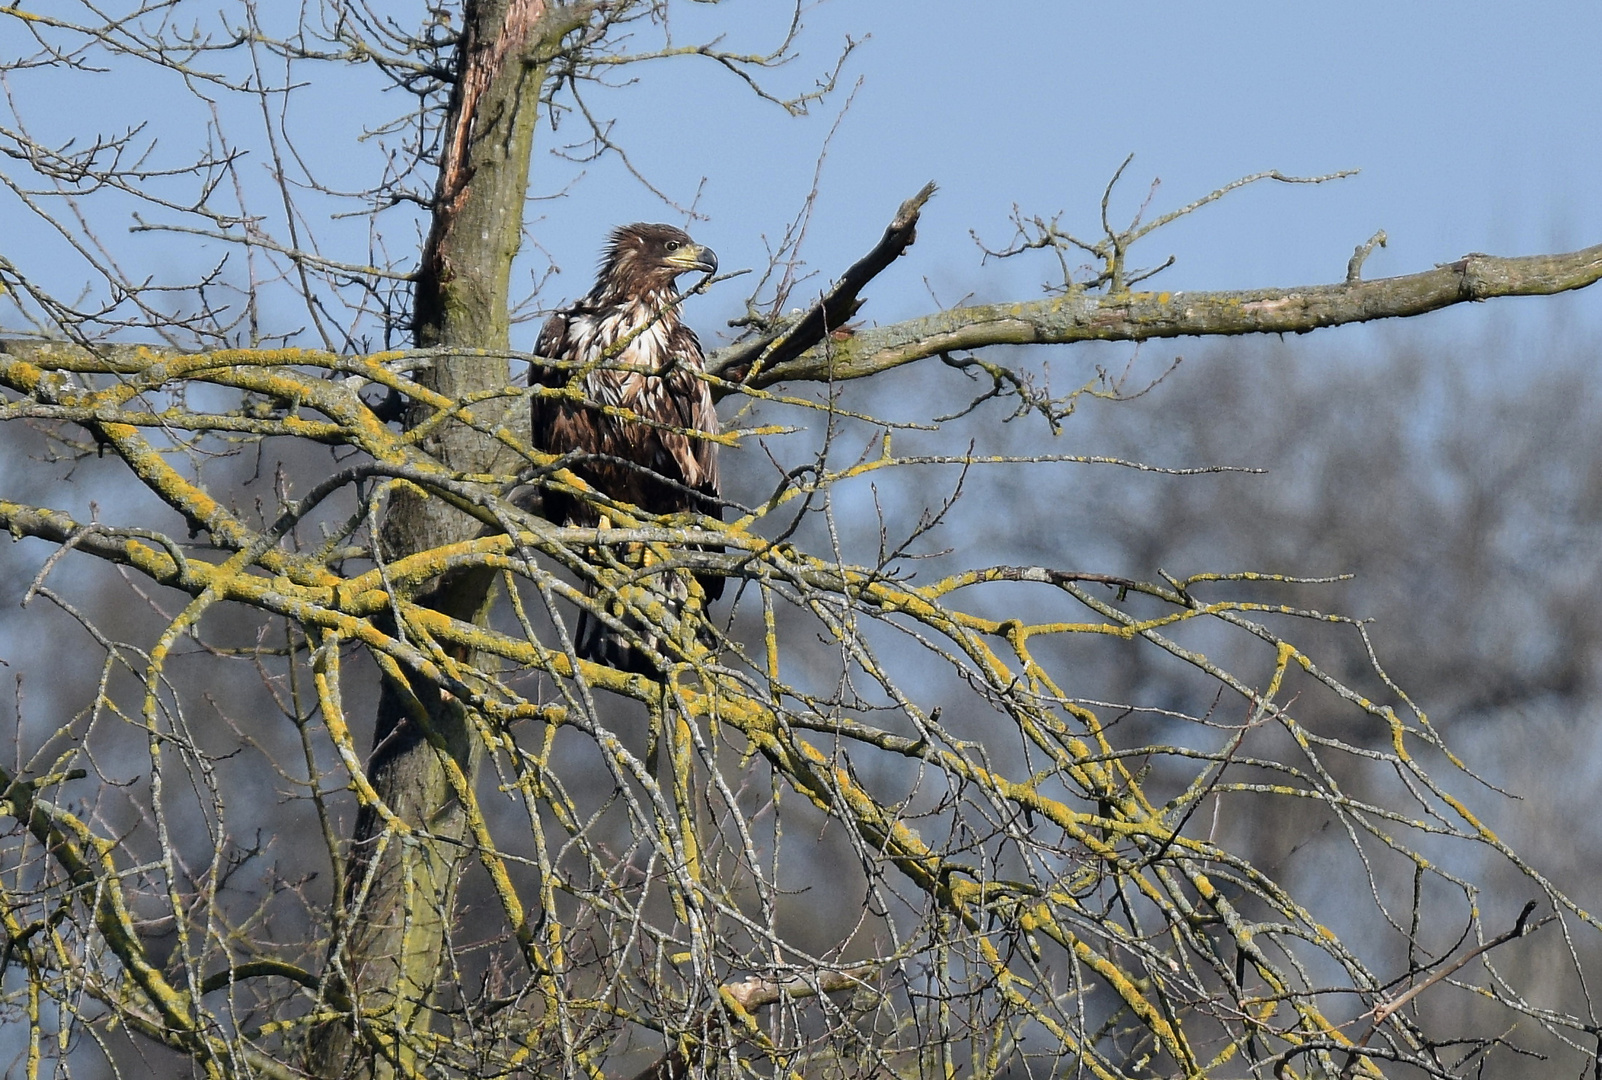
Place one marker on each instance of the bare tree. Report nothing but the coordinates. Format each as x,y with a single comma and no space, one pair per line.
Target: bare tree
868,822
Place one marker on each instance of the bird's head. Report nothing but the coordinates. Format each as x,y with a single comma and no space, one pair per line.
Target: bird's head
644,258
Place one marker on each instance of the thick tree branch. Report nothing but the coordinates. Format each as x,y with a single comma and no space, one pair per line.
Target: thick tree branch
1062,320
1141,316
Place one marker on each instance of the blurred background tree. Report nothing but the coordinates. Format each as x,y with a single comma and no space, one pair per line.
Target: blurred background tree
1030,740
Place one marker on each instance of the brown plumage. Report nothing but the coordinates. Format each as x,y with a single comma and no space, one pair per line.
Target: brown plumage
623,347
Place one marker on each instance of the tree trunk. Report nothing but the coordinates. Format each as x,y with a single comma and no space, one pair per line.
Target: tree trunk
387,955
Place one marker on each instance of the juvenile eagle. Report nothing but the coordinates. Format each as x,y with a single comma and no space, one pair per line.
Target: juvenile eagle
622,347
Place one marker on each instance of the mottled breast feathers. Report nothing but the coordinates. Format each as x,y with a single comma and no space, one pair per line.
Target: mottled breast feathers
633,408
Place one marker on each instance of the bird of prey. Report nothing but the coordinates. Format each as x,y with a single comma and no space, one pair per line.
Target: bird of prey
628,404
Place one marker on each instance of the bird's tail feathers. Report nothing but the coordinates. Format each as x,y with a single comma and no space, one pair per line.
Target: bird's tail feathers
644,627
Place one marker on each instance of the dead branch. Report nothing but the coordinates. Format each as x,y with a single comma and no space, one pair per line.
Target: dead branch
745,361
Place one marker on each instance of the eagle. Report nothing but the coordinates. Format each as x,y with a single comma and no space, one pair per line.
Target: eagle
629,405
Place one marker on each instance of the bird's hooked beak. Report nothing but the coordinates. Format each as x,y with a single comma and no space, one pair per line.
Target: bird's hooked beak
694,257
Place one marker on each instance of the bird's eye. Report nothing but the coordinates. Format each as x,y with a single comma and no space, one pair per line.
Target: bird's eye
673,245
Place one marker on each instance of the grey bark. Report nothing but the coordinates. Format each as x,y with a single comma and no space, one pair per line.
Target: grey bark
401,887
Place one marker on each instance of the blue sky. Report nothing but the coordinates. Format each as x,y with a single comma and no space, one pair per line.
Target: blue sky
1473,125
